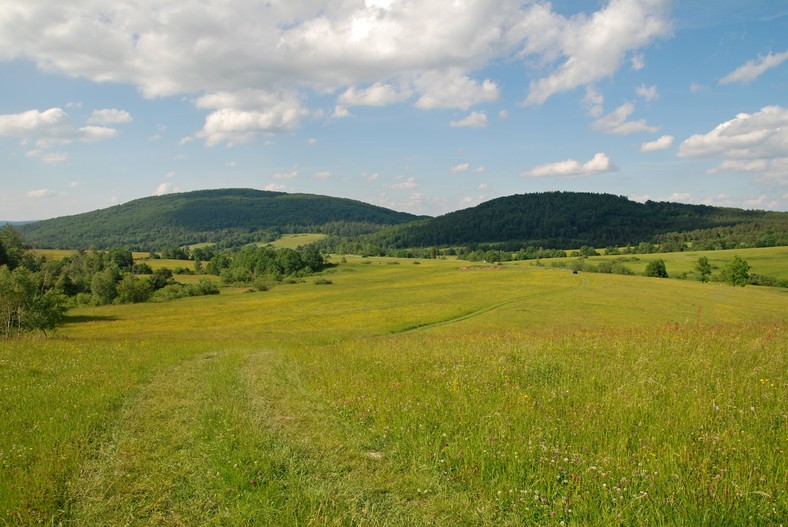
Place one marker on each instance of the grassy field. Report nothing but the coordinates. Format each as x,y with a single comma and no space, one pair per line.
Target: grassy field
406,393
293,241
768,261
54,254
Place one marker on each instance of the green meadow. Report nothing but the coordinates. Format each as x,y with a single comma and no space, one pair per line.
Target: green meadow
769,261
293,241
390,392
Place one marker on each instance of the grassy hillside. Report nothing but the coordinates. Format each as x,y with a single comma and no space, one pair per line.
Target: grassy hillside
406,394
573,219
201,216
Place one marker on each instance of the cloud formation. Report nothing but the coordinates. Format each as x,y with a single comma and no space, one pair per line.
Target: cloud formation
110,116
453,89
474,120
616,122
459,168
649,93
591,47
165,188
240,116
40,193
259,64
752,69
404,185
755,143
599,164
47,129
663,143
377,94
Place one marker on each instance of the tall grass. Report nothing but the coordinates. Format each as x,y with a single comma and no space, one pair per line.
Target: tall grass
406,395
674,425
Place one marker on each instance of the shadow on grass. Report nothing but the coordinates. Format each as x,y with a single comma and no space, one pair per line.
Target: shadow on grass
78,319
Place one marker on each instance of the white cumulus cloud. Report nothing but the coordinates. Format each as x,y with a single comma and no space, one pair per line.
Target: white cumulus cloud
50,158
453,89
752,69
616,122
40,193
459,168
261,63
473,120
599,164
647,92
755,143
110,116
404,185
49,128
595,101
663,143
378,94
591,47
165,188
242,115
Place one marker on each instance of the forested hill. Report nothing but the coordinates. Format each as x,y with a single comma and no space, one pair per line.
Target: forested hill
572,219
205,215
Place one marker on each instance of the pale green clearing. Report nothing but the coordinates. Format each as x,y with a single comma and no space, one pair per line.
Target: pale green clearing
166,263
404,394
293,241
54,254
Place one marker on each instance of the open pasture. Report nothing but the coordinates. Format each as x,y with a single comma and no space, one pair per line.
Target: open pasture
293,241
768,261
406,394
54,254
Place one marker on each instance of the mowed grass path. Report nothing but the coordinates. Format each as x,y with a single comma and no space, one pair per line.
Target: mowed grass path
406,394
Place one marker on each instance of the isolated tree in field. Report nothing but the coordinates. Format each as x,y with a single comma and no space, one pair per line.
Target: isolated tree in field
657,269
703,268
737,272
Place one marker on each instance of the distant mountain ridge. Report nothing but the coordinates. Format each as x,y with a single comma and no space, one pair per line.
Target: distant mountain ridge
199,216
571,219
547,219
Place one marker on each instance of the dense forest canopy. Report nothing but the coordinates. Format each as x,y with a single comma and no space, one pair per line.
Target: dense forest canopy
571,219
157,222
550,220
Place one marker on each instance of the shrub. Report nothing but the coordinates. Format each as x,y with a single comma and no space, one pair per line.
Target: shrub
656,269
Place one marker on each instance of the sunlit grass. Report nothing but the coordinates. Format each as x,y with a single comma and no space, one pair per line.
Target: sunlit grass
403,394
293,241
767,261
54,254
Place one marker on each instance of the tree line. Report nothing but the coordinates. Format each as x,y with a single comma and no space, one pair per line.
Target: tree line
35,292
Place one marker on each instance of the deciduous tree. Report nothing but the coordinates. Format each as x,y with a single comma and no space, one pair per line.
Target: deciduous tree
737,272
703,268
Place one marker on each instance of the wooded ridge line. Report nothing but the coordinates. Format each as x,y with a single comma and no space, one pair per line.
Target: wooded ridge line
547,219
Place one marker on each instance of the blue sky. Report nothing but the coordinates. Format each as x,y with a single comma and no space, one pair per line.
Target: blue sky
425,106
